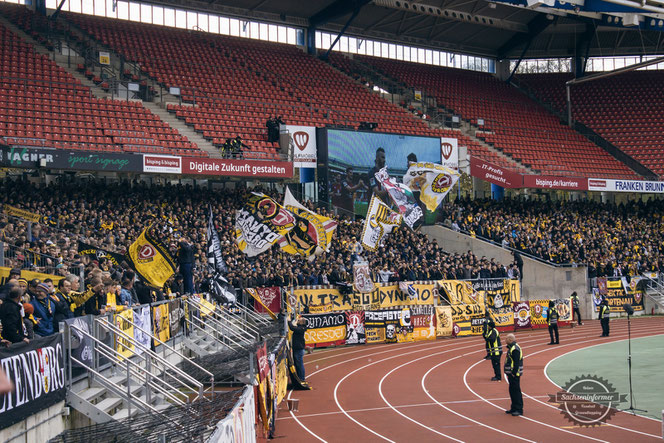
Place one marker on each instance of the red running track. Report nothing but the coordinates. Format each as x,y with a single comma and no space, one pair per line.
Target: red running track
441,391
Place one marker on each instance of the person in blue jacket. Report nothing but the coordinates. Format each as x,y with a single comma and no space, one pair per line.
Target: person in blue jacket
44,311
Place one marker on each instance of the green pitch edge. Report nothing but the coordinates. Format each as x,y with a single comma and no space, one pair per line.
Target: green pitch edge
609,361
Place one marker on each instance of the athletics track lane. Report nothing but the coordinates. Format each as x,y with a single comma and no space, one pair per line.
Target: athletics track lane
356,373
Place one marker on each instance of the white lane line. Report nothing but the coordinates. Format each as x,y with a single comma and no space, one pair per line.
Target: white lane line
302,424
415,405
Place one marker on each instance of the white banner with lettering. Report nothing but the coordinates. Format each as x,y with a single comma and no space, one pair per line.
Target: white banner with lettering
303,142
449,152
638,186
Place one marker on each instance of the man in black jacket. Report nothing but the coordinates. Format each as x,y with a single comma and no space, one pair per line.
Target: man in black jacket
11,316
514,370
186,262
552,320
575,307
492,338
604,314
298,329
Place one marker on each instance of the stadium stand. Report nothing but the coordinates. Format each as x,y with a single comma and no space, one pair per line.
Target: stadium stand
43,105
241,83
513,123
626,110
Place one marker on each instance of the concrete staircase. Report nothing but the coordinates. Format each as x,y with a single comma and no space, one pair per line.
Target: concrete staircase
159,110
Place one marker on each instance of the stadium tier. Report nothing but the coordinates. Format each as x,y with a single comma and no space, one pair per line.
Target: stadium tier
626,110
236,84
513,123
43,105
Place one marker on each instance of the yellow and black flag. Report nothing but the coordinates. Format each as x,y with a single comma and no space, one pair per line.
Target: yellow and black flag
151,259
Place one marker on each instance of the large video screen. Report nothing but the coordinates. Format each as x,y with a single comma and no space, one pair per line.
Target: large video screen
352,154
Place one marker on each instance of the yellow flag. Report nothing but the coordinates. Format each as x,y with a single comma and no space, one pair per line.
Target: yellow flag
151,259
312,233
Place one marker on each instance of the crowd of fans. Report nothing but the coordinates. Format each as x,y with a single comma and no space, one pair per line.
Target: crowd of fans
612,240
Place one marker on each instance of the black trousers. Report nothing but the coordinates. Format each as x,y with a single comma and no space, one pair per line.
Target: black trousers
605,327
515,393
486,346
495,362
577,314
553,330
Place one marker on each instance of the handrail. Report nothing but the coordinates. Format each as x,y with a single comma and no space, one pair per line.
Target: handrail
172,349
249,313
112,354
230,317
511,249
221,325
165,363
210,335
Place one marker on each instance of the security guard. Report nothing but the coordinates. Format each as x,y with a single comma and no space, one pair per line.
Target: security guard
552,320
492,338
575,307
485,330
604,314
514,370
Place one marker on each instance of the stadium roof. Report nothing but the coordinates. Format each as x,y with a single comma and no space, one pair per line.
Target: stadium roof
497,29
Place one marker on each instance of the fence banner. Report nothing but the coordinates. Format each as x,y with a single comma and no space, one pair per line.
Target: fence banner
521,315
271,298
160,323
325,329
424,323
28,275
460,292
125,345
143,327
468,319
538,313
620,291
238,425
564,308
38,373
444,321
503,317
175,317
374,327
355,334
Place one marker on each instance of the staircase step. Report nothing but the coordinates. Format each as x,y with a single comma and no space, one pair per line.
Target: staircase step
125,413
109,403
91,394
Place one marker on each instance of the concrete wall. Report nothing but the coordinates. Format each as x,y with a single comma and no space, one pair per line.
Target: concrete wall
42,426
539,280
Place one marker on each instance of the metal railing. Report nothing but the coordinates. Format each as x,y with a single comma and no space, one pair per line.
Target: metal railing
225,333
165,377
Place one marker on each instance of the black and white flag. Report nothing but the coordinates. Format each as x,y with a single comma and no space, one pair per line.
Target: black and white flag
221,290
216,262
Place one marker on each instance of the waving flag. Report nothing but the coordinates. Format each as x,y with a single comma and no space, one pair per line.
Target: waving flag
312,233
380,221
216,263
261,223
151,259
432,180
402,197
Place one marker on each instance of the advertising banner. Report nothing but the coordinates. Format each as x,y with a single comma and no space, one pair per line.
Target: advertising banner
22,157
444,321
160,323
325,329
635,186
550,182
125,345
355,334
449,152
165,164
538,313
237,168
494,174
303,144
521,315
37,371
